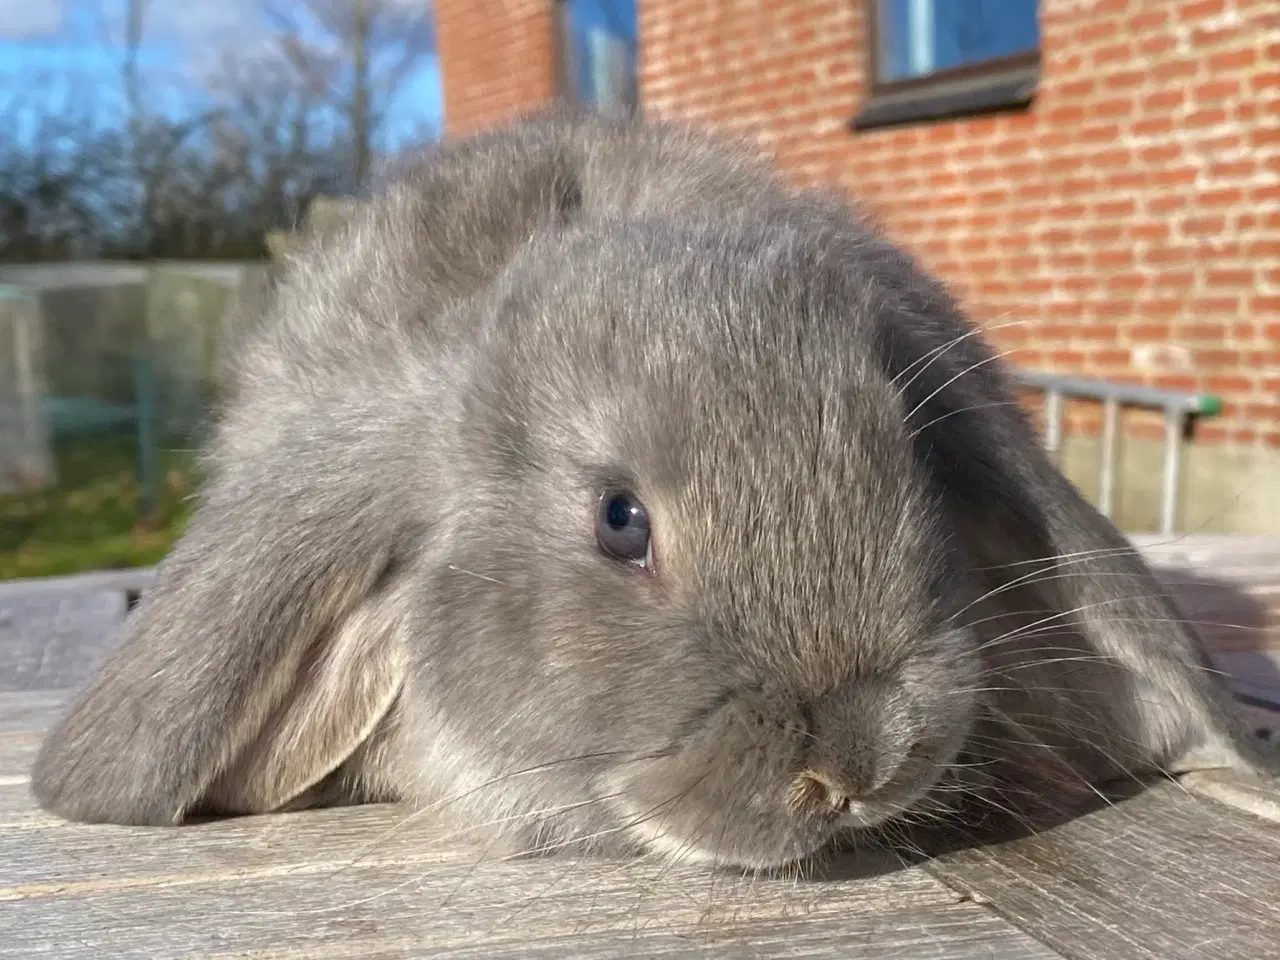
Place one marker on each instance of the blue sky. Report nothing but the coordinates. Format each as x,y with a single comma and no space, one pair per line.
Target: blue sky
58,52
67,51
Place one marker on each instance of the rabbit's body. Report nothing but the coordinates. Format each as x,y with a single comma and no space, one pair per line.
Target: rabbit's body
409,577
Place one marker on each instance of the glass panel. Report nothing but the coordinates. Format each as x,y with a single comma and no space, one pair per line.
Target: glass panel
602,52
919,37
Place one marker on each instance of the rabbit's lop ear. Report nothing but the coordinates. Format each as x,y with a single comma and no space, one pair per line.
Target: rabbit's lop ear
265,655
1086,653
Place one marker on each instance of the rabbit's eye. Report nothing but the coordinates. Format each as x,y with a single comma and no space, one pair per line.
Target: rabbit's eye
622,528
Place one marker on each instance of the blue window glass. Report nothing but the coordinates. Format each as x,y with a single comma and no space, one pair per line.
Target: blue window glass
917,38
602,64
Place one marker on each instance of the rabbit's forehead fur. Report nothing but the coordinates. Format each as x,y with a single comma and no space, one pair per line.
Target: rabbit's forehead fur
697,334
727,377
725,374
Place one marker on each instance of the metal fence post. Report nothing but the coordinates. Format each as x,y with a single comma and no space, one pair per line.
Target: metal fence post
1107,470
1177,406
1053,422
1173,421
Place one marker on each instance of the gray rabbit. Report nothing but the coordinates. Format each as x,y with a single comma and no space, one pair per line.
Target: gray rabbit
596,484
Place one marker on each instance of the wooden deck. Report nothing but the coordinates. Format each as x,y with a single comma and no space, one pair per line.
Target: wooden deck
1188,870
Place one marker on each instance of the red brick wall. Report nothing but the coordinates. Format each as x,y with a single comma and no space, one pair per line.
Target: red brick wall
497,58
1131,216
1134,206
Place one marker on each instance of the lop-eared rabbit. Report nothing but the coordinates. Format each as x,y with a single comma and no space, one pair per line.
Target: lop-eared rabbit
602,485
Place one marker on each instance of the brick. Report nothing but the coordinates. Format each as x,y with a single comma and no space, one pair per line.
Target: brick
1111,358
1230,60
1219,303
1174,280
1165,99
1135,202
1224,277
1199,9
1162,308
1223,197
1166,71
1124,80
1149,232
1151,126
1146,20
1228,385
1126,283
1217,90
1175,381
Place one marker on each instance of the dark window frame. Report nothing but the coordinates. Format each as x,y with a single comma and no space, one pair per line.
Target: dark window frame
566,65
562,50
1002,83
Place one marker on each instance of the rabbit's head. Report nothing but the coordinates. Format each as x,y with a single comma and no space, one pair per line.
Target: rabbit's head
692,568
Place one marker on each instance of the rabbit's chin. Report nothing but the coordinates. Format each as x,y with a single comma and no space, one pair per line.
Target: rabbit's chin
786,844
757,833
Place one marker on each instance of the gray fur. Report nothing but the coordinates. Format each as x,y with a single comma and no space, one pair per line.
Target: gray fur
392,590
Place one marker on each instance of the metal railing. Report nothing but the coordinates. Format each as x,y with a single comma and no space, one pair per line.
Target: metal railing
1177,407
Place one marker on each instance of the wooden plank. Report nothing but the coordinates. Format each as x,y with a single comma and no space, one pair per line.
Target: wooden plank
60,857
31,711
1235,606
100,581
1250,562
1263,719
17,753
1256,798
23,718
373,881
637,908
18,810
961,931
1210,549
50,640
1254,675
1166,875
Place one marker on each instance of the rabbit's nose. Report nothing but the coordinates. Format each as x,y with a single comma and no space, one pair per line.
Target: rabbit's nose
820,792
817,793
855,747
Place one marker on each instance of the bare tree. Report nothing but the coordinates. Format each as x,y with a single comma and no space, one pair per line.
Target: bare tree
273,139
59,177
366,49
140,168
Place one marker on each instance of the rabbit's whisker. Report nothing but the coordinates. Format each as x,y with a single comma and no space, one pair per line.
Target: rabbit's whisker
953,413
935,354
967,370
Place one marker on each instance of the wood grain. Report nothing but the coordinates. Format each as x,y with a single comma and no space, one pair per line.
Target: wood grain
1261,799
1178,872
51,641
410,909
17,753
1228,584
31,711
17,809
1166,875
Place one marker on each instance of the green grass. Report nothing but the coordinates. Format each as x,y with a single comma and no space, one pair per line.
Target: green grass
91,519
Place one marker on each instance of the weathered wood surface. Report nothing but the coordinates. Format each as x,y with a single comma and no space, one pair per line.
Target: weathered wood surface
1167,875
1187,870
1227,584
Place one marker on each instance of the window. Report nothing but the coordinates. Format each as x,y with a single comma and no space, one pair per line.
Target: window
937,58
598,62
